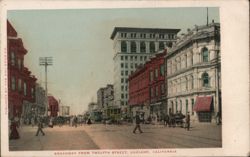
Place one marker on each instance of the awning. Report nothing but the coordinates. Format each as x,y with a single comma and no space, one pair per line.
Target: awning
203,103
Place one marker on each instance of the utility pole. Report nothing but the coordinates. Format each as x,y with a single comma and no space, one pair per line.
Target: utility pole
207,16
46,61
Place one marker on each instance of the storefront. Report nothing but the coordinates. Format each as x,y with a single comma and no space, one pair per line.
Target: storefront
204,108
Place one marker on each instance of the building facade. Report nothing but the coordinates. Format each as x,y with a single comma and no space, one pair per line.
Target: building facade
147,87
132,47
21,84
53,106
64,110
193,74
40,100
100,98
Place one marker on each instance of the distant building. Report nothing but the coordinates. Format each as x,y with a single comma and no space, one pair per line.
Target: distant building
194,73
132,47
64,110
100,98
53,106
21,84
92,107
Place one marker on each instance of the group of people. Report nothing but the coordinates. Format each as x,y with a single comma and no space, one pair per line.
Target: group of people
169,120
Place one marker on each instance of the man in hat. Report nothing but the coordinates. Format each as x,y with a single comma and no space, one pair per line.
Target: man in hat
137,123
187,121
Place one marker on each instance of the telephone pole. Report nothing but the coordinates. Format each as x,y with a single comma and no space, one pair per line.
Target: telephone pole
46,61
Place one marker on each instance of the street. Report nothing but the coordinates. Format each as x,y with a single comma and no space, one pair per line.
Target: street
100,136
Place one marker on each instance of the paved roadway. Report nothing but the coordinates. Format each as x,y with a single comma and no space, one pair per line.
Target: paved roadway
99,136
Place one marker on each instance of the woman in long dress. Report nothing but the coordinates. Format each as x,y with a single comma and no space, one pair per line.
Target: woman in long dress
13,128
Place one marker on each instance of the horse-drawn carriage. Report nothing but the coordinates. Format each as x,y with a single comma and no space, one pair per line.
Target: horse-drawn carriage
175,120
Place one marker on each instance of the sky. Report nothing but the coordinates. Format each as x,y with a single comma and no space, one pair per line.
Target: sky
79,42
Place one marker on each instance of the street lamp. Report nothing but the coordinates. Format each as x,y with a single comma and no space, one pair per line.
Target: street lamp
46,61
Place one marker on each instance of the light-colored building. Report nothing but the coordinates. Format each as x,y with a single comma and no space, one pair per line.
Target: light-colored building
193,73
100,98
132,47
40,99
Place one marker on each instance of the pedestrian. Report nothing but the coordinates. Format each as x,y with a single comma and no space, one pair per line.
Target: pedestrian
166,120
137,123
13,130
32,121
40,126
51,122
187,121
75,121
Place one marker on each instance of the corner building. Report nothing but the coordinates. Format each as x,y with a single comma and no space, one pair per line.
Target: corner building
133,47
193,74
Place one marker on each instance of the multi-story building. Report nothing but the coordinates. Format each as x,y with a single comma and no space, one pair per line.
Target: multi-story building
132,47
158,102
21,84
40,99
53,106
147,87
100,98
193,73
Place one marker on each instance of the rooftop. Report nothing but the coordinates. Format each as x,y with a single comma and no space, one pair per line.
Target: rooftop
144,30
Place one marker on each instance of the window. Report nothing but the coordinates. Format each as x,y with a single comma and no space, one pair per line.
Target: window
126,65
131,58
161,46
126,58
176,106
204,54
131,65
135,58
126,88
126,96
32,92
13,58
122,103
122,65
126,80
161,36
19,85
19,63
180,105
145,58
141,58
192,81
156,91
122,58
151,76
122,88
122,80
162,70
122,73
136,65
124,46
143,47
13,83
186,106
156,73
205,80
192,106
126,72
152,47
25,88
133,47
152,92
162,88
122,95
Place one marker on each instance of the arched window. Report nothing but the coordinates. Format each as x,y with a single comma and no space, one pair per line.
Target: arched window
133,46
205,80
143,47
152,47
204,52
13,83
161,46
124,46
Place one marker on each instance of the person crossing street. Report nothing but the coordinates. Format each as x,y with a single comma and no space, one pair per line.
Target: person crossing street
40,126
137,123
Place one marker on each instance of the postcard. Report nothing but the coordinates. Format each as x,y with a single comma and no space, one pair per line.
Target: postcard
124,78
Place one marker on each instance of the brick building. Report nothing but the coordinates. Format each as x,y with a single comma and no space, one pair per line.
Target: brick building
147,87
53,106
21,84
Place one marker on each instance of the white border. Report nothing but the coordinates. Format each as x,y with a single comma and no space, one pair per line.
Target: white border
234,20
